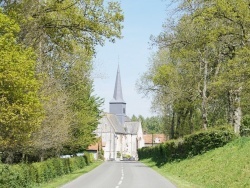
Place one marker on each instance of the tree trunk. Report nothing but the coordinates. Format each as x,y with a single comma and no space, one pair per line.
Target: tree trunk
172,127
237,114
190,121
178,126
204,96
42,156
230,107
10,157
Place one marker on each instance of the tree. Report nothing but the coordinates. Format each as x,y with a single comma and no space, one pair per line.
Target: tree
54,131
64,35
84,106
20,108
54,26
234,75
201,67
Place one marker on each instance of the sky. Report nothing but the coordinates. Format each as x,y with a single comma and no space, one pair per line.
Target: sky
142,18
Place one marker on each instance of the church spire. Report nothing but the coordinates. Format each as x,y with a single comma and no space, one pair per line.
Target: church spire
117,105
117,97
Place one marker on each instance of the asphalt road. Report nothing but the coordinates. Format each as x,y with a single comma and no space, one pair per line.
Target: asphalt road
122,174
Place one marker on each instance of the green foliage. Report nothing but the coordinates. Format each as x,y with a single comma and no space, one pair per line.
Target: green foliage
200,74
245,128
64,35
20,107
89,158
189,146
84,106
152,124
29,175
62,24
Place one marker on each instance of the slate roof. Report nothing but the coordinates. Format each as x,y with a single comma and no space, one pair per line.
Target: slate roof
115,123
132,127
117,97
127,118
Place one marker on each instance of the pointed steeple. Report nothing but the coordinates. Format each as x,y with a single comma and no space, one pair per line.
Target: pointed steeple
117,97
117,105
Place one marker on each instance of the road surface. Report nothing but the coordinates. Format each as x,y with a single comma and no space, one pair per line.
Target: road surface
122,174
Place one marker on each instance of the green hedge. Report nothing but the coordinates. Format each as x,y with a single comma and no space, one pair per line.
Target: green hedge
29,175
245,127
189,146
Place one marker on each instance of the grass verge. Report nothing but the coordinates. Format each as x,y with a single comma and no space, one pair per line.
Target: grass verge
228,166
57,182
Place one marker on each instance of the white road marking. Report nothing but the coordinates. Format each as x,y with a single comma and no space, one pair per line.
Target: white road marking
122,176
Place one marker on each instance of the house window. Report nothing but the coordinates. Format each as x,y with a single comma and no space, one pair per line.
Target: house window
124,111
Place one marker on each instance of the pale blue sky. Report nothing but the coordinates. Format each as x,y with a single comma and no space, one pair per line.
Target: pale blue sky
142,19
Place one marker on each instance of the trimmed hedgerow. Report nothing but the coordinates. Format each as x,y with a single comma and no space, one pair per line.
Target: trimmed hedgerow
189,146
88,157
29,175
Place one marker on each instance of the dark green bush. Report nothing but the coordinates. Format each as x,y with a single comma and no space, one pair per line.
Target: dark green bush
189,146
245,127
28,175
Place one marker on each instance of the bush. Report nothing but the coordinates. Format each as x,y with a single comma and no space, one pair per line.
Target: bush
88,157
28,175
189,146
245,127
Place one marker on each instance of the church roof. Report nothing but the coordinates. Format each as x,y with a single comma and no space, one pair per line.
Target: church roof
132,127
117,97
127,119
115,123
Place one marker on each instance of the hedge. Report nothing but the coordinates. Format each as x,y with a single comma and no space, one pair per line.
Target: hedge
189,146
30,175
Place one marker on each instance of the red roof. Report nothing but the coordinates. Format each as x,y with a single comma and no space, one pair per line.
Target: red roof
93,147
157,138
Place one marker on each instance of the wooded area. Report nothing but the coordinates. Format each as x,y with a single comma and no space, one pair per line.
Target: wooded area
47,106
199,77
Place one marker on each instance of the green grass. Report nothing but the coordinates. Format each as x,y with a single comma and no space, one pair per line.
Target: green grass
228,166
57,182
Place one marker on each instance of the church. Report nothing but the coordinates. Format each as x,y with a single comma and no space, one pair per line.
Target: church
119,136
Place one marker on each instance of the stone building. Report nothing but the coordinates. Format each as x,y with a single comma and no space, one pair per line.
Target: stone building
120,137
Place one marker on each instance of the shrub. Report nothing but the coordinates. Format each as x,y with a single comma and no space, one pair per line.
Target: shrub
28,175
245,127
189,146
88,157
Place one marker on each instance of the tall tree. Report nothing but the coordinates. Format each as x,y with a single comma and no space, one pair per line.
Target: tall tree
84,106
208,48
64,35
54,131
20,109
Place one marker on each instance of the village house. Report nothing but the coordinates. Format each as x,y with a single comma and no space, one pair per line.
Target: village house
153,139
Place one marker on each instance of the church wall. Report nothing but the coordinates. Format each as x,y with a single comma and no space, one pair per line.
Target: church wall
131,145
107,133
110,146
140,137
119,146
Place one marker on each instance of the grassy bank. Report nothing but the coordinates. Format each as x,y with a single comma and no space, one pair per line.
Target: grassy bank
228,166
57,182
